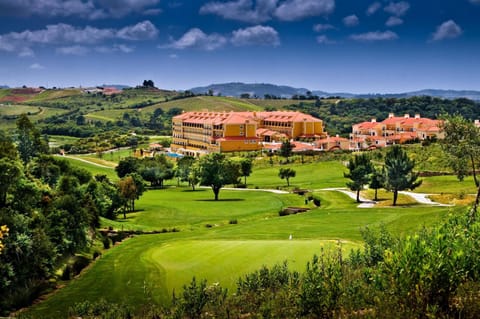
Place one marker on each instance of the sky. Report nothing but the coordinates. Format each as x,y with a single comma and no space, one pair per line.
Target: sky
360,46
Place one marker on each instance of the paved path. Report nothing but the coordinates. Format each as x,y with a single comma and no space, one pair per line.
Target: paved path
275,191
366,203
422,198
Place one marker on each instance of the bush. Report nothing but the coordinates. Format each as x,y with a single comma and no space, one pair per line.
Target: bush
96,254
78,264
233,222
106,242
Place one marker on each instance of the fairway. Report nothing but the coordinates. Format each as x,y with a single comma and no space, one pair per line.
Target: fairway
152,266
224,261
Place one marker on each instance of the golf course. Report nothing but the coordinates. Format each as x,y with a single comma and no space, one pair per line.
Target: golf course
191,235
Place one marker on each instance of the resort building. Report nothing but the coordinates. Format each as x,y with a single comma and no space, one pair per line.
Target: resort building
195,133
394,130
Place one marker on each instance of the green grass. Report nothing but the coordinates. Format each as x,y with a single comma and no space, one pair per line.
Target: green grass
154,265
192,210
446,184
94,169
54,94
310,176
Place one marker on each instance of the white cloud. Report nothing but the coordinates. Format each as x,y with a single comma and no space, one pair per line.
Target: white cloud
397,8
323,39
73,50
373,8
37,66
351,20
322,27
257,35
264,10
242,10
115,48
447,30
197,39
292,10
26,52
91,9
67,35
120,8
393,21
173,56
47,8
375,36
141,31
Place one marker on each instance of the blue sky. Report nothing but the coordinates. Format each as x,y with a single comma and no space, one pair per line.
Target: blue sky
372,46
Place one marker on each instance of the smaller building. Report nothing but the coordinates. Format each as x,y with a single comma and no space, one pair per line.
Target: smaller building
394,130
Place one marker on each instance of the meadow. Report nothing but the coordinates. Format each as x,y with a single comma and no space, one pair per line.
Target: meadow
222,240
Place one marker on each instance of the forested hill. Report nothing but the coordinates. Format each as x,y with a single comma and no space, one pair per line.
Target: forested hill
239,89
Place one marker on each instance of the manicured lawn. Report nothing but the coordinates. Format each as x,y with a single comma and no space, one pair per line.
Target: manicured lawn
94,169
188,210
447,184
311,176
153,265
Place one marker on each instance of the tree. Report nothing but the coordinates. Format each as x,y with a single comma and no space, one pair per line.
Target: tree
287,173
246,168
216,171
148,84
462,144
156,169
399,173
194,176
30,143
10,171
127,191
377,180
184,166
7,148
127,166
286,149
359,170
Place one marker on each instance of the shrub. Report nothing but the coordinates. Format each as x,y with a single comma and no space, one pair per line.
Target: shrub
233,222
79,262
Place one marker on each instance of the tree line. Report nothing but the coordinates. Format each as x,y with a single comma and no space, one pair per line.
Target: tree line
49,211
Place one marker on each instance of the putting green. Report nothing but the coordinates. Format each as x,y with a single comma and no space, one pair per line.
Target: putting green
224,261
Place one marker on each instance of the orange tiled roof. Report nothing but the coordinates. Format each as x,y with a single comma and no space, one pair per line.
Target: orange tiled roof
367,125
244,117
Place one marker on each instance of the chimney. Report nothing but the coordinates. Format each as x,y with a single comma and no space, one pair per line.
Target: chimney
374,120
407,116
390,115
417,116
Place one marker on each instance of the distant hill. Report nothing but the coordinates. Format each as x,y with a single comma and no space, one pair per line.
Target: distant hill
236,89
4,87
117,86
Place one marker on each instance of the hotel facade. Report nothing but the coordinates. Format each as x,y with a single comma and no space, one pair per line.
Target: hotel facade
196,133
